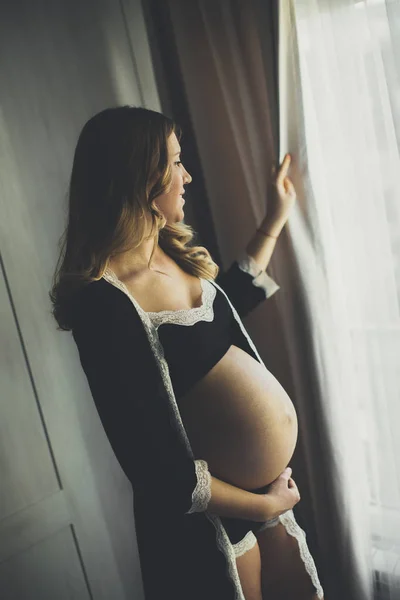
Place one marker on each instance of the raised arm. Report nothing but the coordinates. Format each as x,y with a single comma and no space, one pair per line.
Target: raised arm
246,281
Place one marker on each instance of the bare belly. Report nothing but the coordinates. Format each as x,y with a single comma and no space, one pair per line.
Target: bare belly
241,421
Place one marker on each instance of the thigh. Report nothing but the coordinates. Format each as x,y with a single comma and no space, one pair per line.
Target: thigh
283,573
249,569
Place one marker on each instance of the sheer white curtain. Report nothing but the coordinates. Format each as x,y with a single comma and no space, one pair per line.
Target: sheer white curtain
339,84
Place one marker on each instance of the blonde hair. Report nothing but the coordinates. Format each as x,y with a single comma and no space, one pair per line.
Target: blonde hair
120,167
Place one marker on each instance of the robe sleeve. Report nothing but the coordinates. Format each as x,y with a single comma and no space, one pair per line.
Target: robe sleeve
246,284
133,403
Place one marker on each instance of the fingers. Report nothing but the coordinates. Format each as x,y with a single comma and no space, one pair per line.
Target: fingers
292,486
286,473
284,167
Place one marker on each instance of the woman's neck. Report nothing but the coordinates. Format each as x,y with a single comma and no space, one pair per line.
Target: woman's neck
135,262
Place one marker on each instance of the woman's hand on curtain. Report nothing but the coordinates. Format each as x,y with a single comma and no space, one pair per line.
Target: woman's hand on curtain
280,203
281,200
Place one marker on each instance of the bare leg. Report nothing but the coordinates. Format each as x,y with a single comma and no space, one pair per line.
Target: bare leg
249,569
283,573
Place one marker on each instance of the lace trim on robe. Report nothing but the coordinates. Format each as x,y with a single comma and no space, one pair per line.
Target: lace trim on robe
189,316
246,544
260,278
293,528
202,493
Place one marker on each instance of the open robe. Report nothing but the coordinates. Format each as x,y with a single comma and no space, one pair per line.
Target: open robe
184,550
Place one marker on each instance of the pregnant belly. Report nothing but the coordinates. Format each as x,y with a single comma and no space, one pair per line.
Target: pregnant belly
241,421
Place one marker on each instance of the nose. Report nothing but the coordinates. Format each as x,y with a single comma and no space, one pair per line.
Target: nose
188,177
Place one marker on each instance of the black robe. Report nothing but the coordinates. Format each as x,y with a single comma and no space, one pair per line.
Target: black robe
183,555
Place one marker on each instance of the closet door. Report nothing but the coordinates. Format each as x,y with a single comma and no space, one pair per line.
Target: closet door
66,515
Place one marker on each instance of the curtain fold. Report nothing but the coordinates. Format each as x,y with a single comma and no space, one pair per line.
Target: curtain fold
332,334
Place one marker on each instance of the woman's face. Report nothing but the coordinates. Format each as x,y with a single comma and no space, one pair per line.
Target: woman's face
171,204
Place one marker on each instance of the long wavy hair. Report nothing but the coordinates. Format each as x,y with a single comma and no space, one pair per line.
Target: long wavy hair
120,167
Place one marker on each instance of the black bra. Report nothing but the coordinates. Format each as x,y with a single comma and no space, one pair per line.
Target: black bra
195,339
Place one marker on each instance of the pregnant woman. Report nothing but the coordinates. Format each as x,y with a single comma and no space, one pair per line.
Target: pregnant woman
201,428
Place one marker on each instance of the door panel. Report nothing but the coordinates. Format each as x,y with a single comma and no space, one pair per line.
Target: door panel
66,514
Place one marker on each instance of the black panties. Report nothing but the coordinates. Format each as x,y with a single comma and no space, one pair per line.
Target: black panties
237,528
